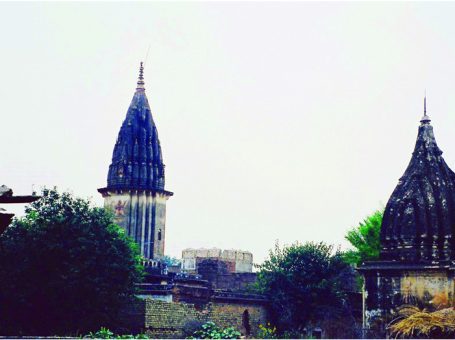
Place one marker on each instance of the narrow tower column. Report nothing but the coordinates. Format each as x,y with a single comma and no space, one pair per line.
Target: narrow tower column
135,184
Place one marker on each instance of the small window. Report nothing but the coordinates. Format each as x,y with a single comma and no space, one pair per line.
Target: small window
159,235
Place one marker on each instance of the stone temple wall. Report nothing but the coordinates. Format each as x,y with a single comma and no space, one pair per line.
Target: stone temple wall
385,290
161,319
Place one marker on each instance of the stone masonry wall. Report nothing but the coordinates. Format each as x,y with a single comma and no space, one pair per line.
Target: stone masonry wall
174,320
386,291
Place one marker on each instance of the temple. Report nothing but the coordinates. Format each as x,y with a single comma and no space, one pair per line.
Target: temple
135,182
416,264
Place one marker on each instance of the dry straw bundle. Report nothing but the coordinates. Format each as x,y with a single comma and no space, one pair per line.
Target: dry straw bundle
413,322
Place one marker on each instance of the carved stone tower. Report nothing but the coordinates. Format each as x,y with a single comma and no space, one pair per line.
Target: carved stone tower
135,182
417,258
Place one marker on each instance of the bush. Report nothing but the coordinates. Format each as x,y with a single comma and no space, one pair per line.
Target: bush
267,332
211,331
65,268
305,283
105,333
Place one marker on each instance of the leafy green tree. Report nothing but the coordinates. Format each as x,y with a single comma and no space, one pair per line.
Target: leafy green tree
305,283
365,238
65,268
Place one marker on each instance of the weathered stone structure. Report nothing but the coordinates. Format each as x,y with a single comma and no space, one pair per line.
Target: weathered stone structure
135,183
160,319
417,259
217,274
173,306
237,261
170,304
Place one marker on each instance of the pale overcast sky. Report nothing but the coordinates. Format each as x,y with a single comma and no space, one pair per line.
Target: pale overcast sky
289,121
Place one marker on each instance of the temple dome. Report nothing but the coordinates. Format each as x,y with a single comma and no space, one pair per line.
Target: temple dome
137,162
419,218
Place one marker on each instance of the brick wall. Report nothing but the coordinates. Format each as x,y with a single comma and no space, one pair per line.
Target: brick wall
220,277
175,319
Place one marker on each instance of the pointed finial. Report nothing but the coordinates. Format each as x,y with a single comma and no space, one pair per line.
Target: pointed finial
425,119
140,81
425,104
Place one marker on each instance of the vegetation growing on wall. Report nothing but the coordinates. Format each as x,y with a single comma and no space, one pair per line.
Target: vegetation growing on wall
65,268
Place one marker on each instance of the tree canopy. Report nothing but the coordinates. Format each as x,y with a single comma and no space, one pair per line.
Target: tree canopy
365,238
305,283
65,268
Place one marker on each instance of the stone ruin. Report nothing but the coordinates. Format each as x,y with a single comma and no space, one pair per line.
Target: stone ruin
417,257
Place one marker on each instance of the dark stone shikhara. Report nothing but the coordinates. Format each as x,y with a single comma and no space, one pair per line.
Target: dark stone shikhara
135,182
417,257
419,219
137,161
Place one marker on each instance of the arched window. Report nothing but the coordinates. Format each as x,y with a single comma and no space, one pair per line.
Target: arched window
159,235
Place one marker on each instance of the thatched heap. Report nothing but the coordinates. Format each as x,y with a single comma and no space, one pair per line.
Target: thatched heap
415,323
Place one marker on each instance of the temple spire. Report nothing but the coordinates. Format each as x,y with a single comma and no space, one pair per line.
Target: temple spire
140,81
425,119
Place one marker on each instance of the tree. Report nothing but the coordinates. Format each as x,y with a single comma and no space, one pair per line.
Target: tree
305,284
365,238
65,268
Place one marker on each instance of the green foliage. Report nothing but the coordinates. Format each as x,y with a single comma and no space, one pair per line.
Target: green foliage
365,238
105,333
65,268
267,332
210,330
304,282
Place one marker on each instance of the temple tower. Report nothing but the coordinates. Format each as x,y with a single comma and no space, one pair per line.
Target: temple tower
417,257
135,182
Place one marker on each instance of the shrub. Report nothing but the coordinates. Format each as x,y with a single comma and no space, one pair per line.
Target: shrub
305,283
267,332
105,333
210,330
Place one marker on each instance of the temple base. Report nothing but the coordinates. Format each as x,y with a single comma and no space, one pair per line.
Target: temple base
389,285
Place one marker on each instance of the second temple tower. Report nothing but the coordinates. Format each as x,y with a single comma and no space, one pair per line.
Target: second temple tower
135,182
